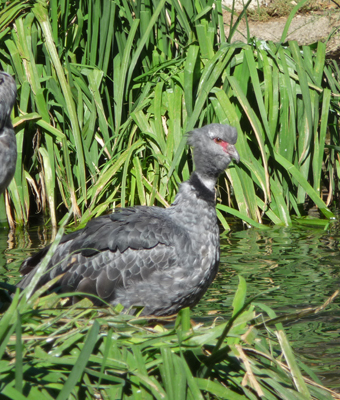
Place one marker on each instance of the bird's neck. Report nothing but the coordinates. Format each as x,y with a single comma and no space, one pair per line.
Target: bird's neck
207,181
194,209
196,189
6,127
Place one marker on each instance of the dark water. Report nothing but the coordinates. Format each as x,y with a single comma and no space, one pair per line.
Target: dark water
304,263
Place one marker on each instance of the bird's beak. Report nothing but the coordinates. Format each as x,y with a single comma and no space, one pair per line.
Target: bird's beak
233,153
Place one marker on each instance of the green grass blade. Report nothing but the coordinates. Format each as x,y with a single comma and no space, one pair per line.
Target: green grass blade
240,295
9,317
291,361
222,220
303,182
194,389
189,71
290,18
255,124
168,373
42,16
139,179
143,40
12,393
109,173
49,183
81,362
241,216
218,390
122,84
319,141
18,356
301,70
253,71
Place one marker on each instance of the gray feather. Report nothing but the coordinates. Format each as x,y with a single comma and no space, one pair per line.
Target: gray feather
8,146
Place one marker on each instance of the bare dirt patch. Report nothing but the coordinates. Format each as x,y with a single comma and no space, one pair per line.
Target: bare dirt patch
282,8
318,20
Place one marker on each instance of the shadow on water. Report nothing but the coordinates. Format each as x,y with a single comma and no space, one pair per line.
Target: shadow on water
304,263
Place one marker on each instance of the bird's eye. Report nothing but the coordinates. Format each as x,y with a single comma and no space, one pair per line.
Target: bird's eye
218,140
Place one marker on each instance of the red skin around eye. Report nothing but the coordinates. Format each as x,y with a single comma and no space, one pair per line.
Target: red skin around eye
222,143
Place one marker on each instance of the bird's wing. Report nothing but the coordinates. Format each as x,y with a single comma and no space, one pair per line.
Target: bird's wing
135,228
113,251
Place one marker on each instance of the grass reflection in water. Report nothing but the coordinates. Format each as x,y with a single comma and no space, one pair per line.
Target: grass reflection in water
304,265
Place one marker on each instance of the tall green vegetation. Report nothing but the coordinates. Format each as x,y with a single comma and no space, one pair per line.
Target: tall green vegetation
107,89
48,351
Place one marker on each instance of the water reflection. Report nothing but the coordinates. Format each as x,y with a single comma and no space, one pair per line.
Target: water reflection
303,263
15,246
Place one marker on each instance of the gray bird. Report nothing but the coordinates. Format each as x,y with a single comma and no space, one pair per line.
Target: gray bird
8,144
161,259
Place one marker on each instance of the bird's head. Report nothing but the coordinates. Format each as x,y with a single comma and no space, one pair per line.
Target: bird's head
214,148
